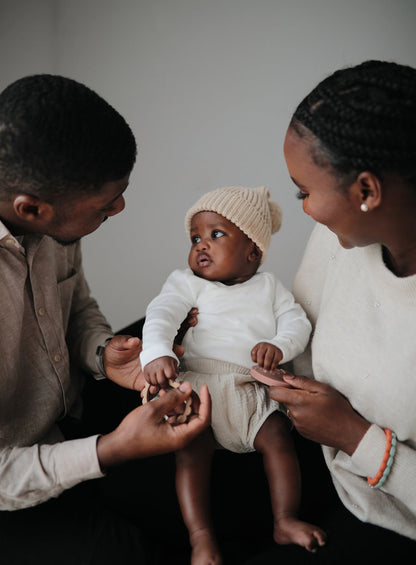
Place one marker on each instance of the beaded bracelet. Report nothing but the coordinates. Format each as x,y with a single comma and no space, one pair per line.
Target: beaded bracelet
378,480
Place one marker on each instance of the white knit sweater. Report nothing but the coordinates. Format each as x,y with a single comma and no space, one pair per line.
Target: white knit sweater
364,320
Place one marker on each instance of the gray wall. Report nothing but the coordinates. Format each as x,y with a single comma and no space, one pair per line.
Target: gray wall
208,87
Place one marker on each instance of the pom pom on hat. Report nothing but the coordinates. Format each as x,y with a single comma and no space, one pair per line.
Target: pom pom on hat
250,209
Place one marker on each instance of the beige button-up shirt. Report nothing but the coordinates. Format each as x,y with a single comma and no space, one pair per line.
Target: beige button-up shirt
50,328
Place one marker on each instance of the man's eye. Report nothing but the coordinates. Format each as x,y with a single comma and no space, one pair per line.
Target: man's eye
217,233
195,239
301,195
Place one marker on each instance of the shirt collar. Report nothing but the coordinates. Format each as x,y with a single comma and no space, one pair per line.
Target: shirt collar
7,239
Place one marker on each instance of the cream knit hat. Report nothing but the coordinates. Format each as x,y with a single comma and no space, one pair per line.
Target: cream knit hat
250,209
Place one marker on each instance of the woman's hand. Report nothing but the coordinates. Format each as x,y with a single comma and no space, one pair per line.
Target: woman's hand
145,431
320,413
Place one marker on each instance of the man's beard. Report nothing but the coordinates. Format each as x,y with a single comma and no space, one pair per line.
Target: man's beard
65,243
72,241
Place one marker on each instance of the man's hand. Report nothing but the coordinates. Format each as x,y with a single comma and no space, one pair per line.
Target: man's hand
266,355
145,432
122,362
190,321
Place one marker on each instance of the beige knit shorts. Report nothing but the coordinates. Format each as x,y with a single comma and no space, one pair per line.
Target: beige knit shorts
240,405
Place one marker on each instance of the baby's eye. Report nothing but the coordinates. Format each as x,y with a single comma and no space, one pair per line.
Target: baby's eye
301,195
195,239
217,233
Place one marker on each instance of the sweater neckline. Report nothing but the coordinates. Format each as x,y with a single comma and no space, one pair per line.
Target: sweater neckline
374,257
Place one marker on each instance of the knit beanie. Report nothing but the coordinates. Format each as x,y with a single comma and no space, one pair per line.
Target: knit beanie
250,209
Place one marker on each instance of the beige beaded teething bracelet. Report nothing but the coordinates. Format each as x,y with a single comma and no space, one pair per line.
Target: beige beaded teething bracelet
180,418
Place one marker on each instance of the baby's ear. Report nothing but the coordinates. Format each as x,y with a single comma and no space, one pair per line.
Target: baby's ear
255,254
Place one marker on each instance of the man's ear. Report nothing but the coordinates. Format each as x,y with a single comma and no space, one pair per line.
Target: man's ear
367,190
31,209
255,254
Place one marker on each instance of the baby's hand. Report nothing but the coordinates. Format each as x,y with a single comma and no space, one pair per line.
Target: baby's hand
160,370
266,355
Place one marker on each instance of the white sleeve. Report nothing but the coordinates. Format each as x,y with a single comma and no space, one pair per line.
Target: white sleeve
367,458
310,278
164,316
31,475
293,326
309,283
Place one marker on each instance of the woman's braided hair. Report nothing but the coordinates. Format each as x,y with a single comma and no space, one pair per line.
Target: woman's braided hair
364,118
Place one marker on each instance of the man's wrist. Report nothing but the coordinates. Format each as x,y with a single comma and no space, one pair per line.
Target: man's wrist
99,357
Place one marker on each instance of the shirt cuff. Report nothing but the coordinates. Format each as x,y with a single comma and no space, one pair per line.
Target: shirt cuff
75,461
369,453
152,353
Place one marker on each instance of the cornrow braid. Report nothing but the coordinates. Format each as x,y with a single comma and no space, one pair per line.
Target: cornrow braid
364,118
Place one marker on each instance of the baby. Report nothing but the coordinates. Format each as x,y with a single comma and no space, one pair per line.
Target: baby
245,317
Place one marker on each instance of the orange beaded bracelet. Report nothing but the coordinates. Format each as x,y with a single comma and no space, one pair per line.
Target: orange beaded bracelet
378,480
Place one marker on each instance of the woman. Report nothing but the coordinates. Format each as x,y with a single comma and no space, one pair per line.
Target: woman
351,151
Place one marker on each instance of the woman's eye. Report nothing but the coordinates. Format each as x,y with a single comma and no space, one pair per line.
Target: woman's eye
301,195
217,233
195,239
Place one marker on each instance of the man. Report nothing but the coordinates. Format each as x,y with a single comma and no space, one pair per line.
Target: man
65,160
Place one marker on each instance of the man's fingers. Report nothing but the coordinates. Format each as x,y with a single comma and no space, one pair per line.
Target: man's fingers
198,421
172,398
122,342
204,403
178,350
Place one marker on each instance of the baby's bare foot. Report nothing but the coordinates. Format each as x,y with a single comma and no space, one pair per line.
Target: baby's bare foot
205,550
291,530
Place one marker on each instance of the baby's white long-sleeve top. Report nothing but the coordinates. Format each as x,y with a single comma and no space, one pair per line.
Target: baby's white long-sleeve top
231,319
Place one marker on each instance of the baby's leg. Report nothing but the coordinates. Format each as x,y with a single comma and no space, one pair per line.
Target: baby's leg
193,475
274,442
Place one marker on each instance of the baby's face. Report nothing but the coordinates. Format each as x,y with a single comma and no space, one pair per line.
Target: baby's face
220,251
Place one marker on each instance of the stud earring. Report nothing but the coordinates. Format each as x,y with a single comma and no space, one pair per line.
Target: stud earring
364,207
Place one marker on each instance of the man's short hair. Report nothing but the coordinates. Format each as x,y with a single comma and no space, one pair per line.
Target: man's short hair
59,138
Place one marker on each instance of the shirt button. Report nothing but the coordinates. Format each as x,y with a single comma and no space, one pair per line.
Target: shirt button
10,241
41,311
57,358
